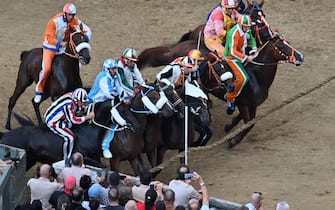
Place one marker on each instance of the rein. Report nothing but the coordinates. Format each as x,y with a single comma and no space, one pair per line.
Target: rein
212,73
72,47
116,128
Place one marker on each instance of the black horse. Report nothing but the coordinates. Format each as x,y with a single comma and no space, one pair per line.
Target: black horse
42,145
64,76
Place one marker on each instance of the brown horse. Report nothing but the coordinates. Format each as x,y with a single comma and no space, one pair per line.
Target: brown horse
128,145
64,76
264,68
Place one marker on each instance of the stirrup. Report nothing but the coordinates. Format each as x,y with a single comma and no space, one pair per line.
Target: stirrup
231,108
37,99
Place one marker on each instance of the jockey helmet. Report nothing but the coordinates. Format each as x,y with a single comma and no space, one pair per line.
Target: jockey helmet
187,62
244,20
195,54
130,54
70,9
228,3
79,94
109,63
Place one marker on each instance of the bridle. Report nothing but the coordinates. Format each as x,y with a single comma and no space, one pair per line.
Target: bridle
212,74
172,105
74,50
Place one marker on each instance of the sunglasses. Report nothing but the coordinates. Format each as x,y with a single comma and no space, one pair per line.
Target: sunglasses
258,193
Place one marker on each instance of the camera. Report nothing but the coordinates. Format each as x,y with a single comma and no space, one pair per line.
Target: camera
189,175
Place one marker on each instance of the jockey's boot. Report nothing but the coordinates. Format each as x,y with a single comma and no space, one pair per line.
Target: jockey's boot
231,107
107,153
67,162
38,98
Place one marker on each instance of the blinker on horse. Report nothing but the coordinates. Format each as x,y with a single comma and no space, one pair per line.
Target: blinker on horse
64,76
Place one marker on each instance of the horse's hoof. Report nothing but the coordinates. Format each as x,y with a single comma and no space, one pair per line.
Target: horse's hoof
230,111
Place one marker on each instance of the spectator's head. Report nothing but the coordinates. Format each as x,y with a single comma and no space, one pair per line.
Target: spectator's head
45,170
283,205
113,194
36,205
145,177
160,205
114,179
130,205
77,195
85,182
193,204
69,184
126,194
169,197
150,197
182,170
180,207
94,191
94,204
63,202
256,199
77,159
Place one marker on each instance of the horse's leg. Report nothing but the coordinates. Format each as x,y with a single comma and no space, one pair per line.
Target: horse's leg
114,164
37,108
152,157
205,133
247,114
22,83
135,164
234,122
143,163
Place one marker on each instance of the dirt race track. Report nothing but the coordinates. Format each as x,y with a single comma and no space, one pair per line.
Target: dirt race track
289,154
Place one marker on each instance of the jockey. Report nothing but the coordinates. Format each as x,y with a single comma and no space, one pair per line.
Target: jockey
64,112
196,55
237,39
107,87
128,72
55,39
177,71
220,21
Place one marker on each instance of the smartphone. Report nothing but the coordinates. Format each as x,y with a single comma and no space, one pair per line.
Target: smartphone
189,175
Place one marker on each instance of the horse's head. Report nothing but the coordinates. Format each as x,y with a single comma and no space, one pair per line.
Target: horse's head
149,101
174,101
196,100
282,50
106,113
79,47
253,6
215,74
260,27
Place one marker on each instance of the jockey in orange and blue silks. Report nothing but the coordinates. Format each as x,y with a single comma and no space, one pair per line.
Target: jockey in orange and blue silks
219,22
128,73
106,86
55,39
62,113
236,42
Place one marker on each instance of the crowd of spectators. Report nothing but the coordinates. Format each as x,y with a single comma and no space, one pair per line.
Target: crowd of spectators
79,188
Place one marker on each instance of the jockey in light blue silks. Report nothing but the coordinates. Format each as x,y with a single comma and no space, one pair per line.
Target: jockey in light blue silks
106,86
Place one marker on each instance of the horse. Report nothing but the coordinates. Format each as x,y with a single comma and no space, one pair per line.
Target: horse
129,145
64,76
42,145
264,67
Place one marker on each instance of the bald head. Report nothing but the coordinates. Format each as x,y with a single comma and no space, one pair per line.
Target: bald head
45,170
77,159
256,199
130,205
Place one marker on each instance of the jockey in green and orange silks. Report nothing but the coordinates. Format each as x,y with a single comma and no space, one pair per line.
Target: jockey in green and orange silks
236,42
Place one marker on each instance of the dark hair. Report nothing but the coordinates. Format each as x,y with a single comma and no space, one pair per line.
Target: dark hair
36,205
63,202
180,207
85,182
181,174
145,177
114,179
94,204
160,205
77,194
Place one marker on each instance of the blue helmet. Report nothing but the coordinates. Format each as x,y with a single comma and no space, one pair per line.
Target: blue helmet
109,63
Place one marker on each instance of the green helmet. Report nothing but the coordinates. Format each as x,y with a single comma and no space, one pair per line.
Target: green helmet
244,20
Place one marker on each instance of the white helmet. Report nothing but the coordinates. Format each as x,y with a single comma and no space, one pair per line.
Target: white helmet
187,62
70,9
130,54
79,94
109,63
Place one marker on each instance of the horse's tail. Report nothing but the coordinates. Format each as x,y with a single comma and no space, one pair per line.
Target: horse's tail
24,121
23,53
154,57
